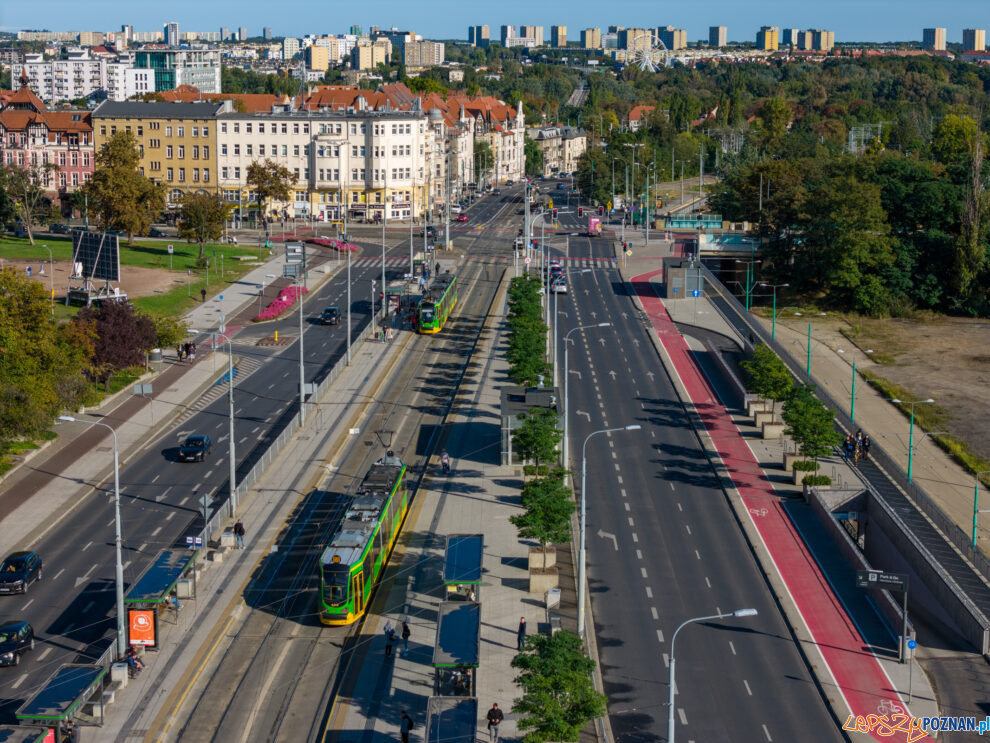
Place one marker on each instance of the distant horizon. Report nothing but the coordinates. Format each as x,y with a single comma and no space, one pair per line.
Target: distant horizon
890,21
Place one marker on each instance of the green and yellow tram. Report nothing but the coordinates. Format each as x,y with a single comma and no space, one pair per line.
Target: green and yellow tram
437,303
359,550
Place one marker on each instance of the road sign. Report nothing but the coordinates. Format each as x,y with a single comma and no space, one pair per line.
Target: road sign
628,252
194,541
696,292
528,260
170,249
609,207
912,644
880,579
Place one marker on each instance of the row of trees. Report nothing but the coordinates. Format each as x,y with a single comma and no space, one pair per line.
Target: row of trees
47,367
527,332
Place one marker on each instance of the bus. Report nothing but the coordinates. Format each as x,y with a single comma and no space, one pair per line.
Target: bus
358,552
437,303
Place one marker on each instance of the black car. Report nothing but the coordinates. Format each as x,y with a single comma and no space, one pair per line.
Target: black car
15,638
330,316
195,449
19,571
155,232
59,229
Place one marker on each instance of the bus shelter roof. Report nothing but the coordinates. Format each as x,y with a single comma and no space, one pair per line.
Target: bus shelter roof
451,719
160,578
70,686
22,734
458,635
462,558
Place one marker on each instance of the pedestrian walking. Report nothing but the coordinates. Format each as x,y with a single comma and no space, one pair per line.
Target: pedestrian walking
445,462
178,352
437,267
389,638
521,634
239,533
866,446
494,720
202,294
405,638
405,726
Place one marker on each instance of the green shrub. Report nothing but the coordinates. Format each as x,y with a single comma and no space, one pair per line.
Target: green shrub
805,465
814,480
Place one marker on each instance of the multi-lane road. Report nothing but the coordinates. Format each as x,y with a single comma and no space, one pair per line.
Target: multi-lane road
664,546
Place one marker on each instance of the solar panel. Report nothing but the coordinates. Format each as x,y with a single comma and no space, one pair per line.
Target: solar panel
99,254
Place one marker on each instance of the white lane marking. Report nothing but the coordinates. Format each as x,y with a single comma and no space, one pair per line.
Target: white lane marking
141,548
243,440
654,612
127,565
666,662
183,501
155,532
649,592
19,681
643,571
679,508
697,554
639,554
619,477
88,545
680,713
614,456
111,522
611,444
748,690
767,733
631,522
58,574
626,504
732,647
616,465
27,604
256,429
688,528
708,582
155,478
44,653
660,635
635,537
671,485
170,515
622,491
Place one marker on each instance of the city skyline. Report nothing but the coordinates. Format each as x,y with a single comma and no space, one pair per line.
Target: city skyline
879,21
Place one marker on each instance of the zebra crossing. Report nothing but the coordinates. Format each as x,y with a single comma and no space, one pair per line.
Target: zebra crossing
404,262
245,366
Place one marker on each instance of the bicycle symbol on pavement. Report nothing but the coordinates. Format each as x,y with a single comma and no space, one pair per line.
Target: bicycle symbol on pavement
758,511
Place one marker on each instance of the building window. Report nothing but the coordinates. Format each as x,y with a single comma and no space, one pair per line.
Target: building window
103,131
353,150
353,128
168,131
182,152
261,150
168,151
249,150
223,173
285,128
223,149
75,179
182,175
237,149
285,149
353,174
195,172
295,128
181,131
140,131
261,127
195,131
206,152
223,127
237,173
168,174
206,131
206,175
195,152
295,150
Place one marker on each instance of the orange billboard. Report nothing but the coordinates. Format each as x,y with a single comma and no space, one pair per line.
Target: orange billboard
143,628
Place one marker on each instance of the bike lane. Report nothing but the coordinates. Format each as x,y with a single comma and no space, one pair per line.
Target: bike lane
864,684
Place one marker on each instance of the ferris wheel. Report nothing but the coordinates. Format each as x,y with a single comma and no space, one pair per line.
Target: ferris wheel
648,52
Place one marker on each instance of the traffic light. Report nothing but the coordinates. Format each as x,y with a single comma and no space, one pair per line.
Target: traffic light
555,214
580,210
601,211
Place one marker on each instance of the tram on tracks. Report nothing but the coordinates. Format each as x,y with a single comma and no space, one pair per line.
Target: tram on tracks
438,303
355,559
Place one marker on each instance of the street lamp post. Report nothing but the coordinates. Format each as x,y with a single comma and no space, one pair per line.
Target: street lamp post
51,278
302,370
976,500
121,631
349,301
583,559
750,279
773,324
670,697
911,430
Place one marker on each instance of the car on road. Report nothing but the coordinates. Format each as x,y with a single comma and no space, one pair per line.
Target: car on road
431,231
330,316
558,286
195,449
155,232
15,638
59,229
461,218
497,192
19,571
561,187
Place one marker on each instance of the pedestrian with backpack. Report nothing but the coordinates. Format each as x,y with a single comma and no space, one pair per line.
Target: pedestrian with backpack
405,726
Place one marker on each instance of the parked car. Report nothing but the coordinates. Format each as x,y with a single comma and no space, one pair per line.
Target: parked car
195,449
59,229
155,232
461,218
15,638
19,571
330,316
456,208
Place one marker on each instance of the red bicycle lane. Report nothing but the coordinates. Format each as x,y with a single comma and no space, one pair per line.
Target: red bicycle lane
858,675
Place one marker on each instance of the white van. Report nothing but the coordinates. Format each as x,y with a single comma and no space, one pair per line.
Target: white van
456,209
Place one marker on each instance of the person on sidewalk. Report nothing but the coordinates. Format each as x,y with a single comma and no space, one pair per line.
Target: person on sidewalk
521,634
239,533
866,446
202,294
405,726
445,462
405,638
494,720
389,637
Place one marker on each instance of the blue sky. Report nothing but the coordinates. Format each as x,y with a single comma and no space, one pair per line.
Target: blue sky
852,20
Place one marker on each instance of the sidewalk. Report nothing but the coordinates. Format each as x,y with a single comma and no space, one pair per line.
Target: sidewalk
479,496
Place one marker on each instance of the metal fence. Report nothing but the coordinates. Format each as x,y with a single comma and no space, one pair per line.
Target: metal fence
918,497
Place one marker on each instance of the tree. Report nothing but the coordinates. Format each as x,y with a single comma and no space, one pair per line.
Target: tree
768,376
270,181
168,330
772,119
953,139
119,196
547,516
559,697
201,218
484,159
809,423
537,436
534,157
122,337
25,187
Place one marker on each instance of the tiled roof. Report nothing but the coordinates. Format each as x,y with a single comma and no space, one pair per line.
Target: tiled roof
638,113
56,121
253,102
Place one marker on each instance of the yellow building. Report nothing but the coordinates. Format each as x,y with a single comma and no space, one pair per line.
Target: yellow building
177,141
367,56
318,58
768,38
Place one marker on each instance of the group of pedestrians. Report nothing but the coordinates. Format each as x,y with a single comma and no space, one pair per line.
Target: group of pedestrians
186,351
390,638
856,447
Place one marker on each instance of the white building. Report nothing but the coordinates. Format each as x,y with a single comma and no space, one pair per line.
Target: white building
290,47
125,81
79,76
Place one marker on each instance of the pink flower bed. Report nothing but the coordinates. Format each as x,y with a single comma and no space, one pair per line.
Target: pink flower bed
286,298
331,243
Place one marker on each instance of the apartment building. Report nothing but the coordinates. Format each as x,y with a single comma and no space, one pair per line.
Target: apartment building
562,147
507,32
172,34
673,38
974,39
124,81
176,141
934,39
558,36
422,54
479,35
591,38
367,55
317,58
768,38
718,37
32,136
174,67
532,32
290,47
822,40
79,76
635,39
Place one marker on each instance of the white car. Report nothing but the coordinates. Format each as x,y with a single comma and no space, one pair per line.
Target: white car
558,287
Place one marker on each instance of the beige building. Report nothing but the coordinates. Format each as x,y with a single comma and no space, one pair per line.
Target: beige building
635,39
768,38
422,54
822,40
673,38
558,36
934,39
177,141
367,55
591,38
974,39
317,58
532,32
562,147
718,37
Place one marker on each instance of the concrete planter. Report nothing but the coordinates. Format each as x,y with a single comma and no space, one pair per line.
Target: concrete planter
790,459
756,406
540,559
762,418
541,581
799,475
772,431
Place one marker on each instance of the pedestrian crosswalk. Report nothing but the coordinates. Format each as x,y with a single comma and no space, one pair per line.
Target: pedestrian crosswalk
404,262
591,262
389,262
243,368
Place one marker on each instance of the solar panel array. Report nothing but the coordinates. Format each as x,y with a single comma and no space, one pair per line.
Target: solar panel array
99,254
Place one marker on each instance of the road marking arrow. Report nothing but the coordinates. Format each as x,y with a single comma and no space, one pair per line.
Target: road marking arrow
575,371
585,414
650,375
611,373
636,341
606,535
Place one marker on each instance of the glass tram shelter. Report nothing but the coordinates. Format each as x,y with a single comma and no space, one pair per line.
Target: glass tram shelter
458,649
153,592
22,734
55,705
451,719
462,566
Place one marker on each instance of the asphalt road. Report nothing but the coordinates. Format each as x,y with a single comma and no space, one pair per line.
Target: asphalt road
73,608
664,546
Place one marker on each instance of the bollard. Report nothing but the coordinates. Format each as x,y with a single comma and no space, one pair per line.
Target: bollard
276,336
